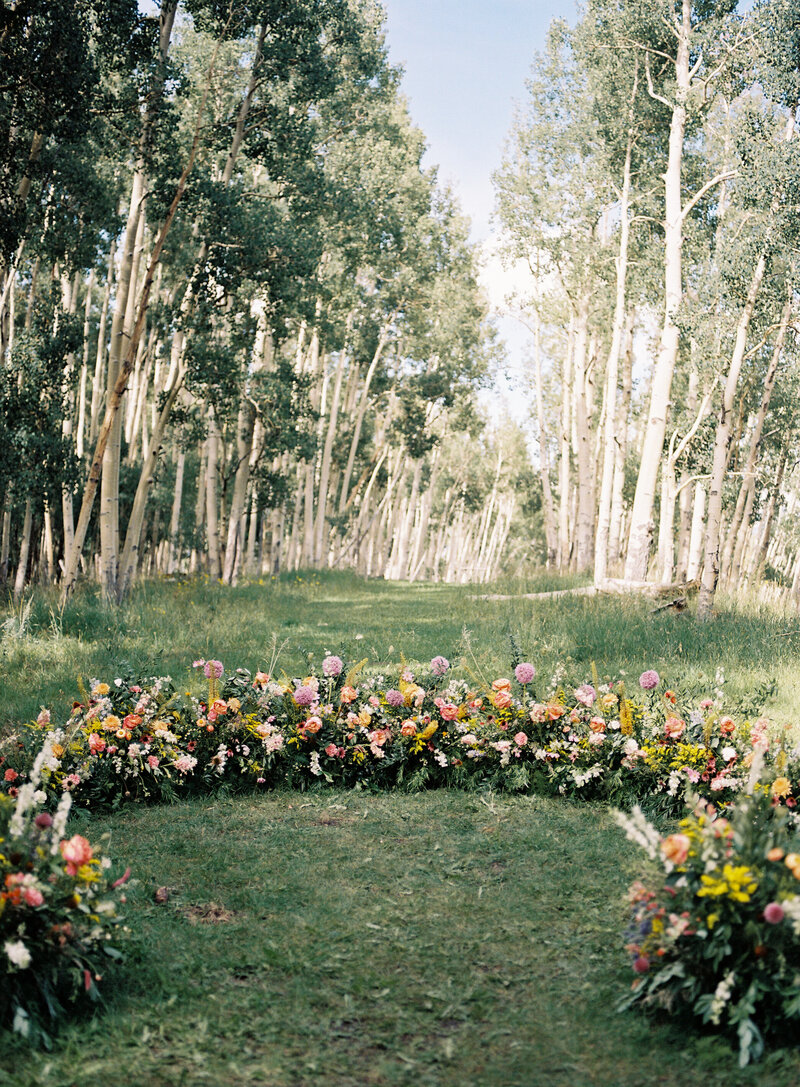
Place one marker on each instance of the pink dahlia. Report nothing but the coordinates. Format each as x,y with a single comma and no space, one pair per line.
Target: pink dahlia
524,673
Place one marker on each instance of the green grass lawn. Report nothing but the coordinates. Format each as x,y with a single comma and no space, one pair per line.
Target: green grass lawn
350,939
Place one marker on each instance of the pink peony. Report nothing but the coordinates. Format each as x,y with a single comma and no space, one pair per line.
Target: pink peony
439,665
332,666
586,694
34,897
773,913
75,851
524,673
331,749
394,698
520,739
449,711
649,679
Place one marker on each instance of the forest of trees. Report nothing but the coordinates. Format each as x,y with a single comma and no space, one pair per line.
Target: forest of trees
242,330
651,184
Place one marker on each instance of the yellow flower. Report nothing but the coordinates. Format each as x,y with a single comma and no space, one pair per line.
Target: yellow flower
101,689
711,920
428,732
736,882
781,787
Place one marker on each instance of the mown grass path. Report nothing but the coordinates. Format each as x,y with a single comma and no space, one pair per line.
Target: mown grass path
346,939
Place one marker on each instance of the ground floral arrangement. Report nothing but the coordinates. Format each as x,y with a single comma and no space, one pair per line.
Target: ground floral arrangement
694,929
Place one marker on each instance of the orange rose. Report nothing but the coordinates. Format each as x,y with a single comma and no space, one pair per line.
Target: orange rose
348,695
501,699
501,685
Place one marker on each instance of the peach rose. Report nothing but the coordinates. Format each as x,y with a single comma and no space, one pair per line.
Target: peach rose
348,695
501,700
408,728
675,848
501,685
449,711
674,727
75,851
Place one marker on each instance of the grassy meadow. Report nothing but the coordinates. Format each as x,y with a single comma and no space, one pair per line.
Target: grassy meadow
350,939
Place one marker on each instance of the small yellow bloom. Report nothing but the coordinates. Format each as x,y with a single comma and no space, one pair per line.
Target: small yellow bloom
781,787
428,732
101,689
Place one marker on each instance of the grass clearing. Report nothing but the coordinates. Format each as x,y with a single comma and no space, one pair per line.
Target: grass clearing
348,939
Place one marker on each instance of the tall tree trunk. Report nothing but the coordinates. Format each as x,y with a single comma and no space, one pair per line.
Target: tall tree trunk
610,437
641,524
708,584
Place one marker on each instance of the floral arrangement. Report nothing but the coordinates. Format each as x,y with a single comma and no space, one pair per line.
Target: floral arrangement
58,906
714,929
139,738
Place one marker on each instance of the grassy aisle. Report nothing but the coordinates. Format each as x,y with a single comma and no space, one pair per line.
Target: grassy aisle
347,940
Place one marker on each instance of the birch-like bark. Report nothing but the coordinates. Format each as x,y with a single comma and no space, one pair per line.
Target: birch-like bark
112,409
24,550
548,509
641,524
601,546
731,554
564,452
708,583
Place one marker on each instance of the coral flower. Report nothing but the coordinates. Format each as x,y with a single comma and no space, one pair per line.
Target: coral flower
501,685
501,700
75,851
408,728
521,739
348,695
674,727
726,726
449,711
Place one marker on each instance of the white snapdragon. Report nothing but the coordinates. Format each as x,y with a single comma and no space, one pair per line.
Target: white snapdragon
722,995
638,829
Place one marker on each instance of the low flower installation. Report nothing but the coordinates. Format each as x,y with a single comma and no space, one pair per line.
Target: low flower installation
144,739
714,930
58,907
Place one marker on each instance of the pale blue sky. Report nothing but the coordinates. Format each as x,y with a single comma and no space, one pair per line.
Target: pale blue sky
466,62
